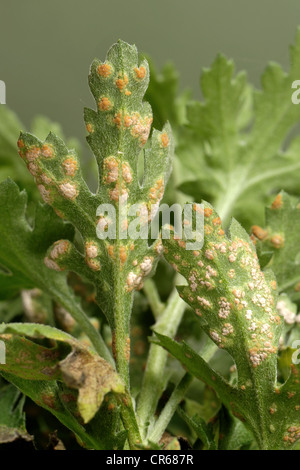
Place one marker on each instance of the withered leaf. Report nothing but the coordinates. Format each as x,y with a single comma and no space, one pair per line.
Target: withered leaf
93,377
81,369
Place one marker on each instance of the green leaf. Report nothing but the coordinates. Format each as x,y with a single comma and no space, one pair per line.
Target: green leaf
22,254
196,366
10,164
47,395
281,238
118,130
233,435
237,149
236,305
58,400
10,309
118,86
12,417
162,95
41,126
23,247
202,430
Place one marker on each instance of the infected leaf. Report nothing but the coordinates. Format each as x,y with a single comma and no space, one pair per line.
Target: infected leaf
93,377
81,369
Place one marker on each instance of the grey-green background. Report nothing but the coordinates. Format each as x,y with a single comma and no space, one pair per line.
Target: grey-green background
46,46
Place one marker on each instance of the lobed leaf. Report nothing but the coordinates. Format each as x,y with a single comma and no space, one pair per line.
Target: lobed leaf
236,305
280,237
239,147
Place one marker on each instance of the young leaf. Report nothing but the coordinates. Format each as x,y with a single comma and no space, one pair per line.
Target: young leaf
281,238
162,95
233,435
11,166
234,151
202,430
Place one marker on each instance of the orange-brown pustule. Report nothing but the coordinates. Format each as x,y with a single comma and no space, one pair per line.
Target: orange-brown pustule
198,208
127,349
140,72
259,232
68,190
70,166
122,82
157,191
118,193
110,250
217,221
164,140
126,173
104,104
141,127
127,120
59,248
123,254
89,128
32,153
93,264
277,241
118,120
47,151
274,285
104,70
277,203
208,212
91,250
110,170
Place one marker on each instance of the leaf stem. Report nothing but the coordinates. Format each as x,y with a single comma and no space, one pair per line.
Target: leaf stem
177,396
154,377
157,306
121,351
170,408
129,420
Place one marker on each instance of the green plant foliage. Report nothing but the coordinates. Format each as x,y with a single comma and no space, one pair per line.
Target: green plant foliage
10,165
236,305
118,131
22,253
12,416
98,379
280,238
234,152
203,431
40,373
76,302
